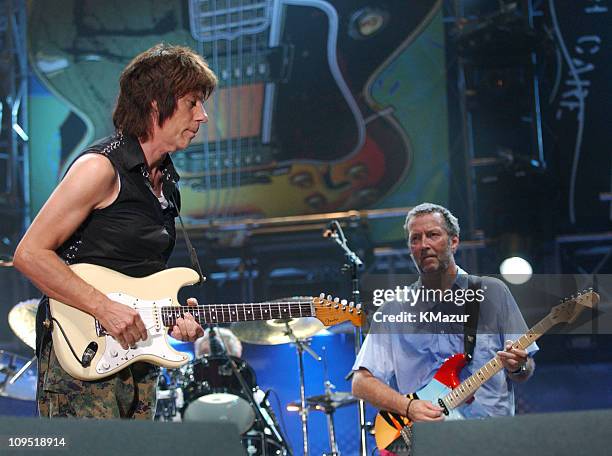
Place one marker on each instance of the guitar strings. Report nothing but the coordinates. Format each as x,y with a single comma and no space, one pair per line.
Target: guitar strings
217,122
149,309
493,366
229,102
230,189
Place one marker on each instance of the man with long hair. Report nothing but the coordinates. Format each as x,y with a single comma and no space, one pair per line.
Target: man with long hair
115,208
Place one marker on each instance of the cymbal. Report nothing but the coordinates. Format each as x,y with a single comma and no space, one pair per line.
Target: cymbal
22,320
274,332
325,402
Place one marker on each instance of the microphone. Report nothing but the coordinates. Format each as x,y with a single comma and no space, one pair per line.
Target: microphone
331,229
216,346
265,396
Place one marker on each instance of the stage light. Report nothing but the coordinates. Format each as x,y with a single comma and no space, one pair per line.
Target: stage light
515,270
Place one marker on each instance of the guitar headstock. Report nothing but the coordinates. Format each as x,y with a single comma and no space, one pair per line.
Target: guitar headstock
331,311
570,307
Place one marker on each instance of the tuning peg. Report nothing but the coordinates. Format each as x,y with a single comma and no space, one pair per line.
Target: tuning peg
322,296
344,302
329,297
336,300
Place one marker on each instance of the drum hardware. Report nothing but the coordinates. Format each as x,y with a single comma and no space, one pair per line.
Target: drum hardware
220,346
259,444
8,372
11,372
21,371
169,396
283,331
213,393
22,320
329,410
301,347
327,403
224,387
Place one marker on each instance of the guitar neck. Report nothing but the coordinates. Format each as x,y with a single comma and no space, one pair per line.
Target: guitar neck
231,313
468,387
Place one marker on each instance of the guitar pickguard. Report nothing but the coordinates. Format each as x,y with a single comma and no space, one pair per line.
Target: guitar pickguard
115,357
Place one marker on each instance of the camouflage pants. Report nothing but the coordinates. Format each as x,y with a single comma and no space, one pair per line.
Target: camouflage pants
129,393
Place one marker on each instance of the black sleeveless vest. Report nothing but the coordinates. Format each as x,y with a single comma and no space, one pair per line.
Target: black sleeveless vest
133,235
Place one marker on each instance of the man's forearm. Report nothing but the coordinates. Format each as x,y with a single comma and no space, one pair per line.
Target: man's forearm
54,278
367,387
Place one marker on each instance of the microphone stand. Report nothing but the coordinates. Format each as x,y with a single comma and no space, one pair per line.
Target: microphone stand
219,346
353,264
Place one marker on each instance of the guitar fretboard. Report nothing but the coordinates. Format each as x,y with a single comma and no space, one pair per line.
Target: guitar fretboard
468,387
230,313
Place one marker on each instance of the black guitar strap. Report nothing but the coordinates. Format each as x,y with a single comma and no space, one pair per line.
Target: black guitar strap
472,309
195,263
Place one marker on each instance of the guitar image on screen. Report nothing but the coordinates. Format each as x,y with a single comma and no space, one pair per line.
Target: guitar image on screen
292,116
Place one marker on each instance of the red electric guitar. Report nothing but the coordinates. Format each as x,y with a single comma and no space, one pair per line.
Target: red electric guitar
447,391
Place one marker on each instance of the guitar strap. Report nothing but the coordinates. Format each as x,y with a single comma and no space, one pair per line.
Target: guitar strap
472,309
195,263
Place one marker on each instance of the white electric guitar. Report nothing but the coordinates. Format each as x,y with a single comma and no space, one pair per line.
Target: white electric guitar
87,352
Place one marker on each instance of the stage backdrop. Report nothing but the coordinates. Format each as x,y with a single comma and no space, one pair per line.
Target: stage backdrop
321,106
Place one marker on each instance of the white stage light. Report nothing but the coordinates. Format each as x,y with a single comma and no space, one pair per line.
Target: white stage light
515,270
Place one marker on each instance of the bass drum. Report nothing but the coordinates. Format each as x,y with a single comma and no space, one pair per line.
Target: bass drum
254,444
212,393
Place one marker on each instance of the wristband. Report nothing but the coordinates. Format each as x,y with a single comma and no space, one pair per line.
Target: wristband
408,407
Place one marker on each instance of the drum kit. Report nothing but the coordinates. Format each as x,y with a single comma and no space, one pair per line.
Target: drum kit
222,388
18,373
214,388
